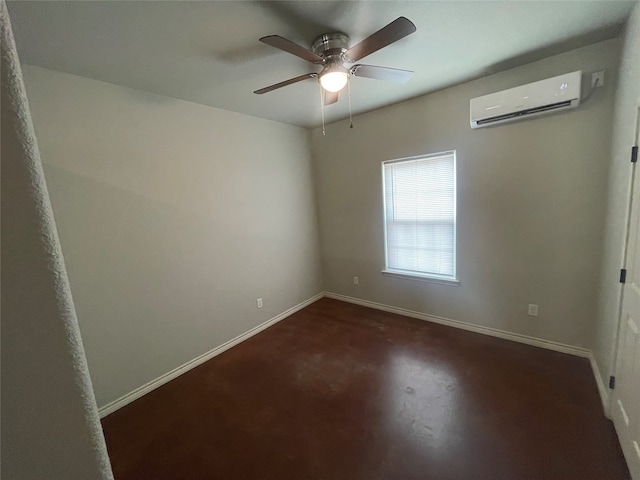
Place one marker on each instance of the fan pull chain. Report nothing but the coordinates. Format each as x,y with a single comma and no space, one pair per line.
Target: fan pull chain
349,90
322,94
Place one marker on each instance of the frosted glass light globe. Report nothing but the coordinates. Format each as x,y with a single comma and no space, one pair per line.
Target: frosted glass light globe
334,81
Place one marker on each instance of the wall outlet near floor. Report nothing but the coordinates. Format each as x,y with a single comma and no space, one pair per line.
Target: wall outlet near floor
259,302
356,280
533,310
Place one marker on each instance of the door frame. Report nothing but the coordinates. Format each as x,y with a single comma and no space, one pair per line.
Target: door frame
615,352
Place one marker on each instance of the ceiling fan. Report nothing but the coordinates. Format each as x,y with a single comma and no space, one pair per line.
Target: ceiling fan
333,53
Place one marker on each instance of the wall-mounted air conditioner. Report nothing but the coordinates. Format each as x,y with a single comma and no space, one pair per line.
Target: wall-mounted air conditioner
550,95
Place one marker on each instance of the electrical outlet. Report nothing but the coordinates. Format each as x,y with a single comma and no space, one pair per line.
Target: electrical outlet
356,280
259,302
597,79
533,310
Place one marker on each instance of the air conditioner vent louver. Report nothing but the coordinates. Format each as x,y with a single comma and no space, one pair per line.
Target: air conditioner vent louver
557,93
521,113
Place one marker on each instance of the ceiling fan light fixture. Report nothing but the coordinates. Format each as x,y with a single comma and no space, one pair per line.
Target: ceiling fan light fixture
334,78
332,52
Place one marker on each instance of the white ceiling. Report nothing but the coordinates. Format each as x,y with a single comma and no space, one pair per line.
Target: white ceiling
208,52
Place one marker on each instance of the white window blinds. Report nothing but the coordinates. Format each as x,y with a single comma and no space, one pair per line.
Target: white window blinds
420,215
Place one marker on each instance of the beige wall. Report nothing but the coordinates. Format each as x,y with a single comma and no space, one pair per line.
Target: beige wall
174,218
626,107
531,199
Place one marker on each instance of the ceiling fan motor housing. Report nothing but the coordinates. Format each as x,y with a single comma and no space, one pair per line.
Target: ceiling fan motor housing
331,46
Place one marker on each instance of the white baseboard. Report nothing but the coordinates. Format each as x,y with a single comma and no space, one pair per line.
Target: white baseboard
602,388
494,332
152,385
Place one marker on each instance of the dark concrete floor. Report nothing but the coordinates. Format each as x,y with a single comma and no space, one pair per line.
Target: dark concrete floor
343,392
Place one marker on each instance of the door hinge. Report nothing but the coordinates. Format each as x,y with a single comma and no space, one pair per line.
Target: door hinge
634,154
623,275
612,382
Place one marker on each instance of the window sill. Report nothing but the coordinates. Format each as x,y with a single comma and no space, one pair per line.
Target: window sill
421,278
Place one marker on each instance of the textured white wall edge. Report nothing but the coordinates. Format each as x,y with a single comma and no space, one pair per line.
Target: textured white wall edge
50,425
493,332
176,372
536,342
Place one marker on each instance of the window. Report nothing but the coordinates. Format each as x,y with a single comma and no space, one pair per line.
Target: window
420,216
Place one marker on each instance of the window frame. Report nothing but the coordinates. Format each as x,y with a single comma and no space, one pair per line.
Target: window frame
412,274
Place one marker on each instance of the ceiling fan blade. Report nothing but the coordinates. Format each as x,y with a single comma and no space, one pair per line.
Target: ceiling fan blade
275,86
399,28
330,98
293,48
382,73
